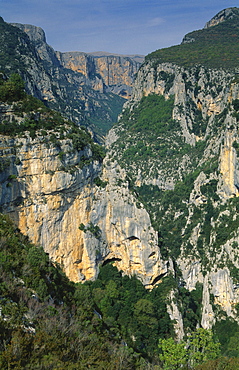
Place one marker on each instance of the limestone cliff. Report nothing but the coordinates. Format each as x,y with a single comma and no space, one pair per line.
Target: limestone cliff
103,73
52,193
200,151
111,73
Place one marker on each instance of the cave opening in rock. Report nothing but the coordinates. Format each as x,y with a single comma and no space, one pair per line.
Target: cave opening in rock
159,277
110,260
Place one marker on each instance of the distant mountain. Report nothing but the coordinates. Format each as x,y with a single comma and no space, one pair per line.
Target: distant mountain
138,58
86,89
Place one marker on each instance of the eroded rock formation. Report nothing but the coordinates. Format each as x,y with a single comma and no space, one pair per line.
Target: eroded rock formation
50,198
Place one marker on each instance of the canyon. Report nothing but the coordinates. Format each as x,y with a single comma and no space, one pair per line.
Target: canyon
163,201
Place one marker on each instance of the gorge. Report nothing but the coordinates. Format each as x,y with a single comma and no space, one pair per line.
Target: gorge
159,199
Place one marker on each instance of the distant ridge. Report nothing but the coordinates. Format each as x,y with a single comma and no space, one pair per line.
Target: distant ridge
137,57
214,46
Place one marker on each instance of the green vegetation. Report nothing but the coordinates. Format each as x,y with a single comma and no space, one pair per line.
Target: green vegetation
149,138
100,182
138,315
32,116
151,142
227,331
235,104
153,115
214,47
105,113
11,89
199,348
167,77
93,229
4,163
48,322
164,205
15,46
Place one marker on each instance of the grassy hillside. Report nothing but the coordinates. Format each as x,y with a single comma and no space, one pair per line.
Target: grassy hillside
214,47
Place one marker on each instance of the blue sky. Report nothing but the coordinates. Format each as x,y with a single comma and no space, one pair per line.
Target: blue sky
116,26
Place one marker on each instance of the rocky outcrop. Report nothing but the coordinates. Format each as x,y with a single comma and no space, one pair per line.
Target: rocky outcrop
109,73
188,91
219,291
229,168
176,316
204,107
38,38
80,224
197,102
104,73
222,16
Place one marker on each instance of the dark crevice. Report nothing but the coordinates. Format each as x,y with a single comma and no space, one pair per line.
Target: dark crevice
78,261
132,238
159,277
151,254
109,260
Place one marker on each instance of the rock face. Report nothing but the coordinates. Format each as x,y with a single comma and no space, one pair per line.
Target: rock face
109,73
56,202
205,107
87,89
222,16
104,73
